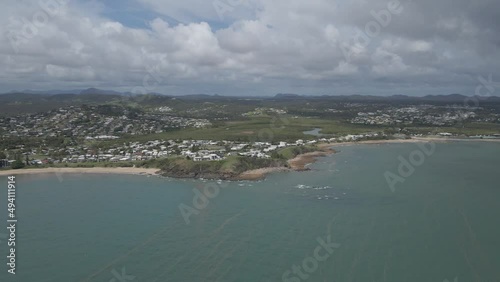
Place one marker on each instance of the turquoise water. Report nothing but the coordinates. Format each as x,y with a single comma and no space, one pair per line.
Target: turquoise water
441,223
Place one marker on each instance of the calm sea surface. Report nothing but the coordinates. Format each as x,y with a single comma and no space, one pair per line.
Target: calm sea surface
442,223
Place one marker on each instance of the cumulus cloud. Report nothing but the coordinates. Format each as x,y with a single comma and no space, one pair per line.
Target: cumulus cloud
257,47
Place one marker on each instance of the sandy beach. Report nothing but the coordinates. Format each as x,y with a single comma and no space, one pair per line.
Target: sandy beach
93,170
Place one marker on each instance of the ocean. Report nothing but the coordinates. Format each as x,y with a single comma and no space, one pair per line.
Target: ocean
360,215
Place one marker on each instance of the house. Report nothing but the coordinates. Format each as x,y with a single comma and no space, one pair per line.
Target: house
114,159
271,148
445,134
4,163
209,157
239,147
36,162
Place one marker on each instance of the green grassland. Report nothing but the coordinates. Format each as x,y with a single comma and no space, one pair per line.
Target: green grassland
260,129
289,128
229,168
225,169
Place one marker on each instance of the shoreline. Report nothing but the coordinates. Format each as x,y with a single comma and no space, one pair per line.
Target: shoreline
81,170
412,140
259,174
298,163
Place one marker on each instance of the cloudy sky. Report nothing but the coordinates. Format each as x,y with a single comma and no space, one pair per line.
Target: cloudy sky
252,47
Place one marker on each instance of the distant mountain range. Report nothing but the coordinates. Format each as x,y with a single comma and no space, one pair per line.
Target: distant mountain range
280,96
40,101
436,98
399,98
73,91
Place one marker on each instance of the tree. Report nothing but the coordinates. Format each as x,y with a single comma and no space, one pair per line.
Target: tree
2,156
17,164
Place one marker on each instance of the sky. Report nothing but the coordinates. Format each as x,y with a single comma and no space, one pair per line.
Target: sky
252,47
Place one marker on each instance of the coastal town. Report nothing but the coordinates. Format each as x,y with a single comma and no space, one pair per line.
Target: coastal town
95,122
195,150
130,131
425,115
